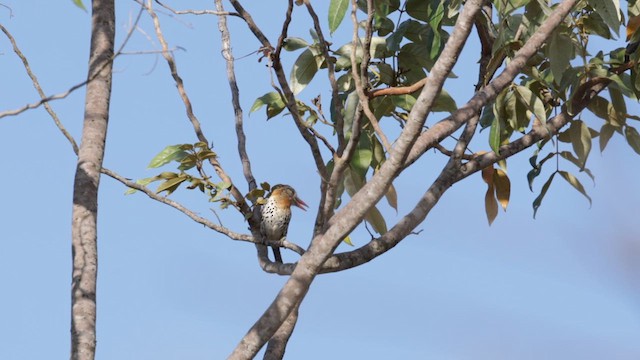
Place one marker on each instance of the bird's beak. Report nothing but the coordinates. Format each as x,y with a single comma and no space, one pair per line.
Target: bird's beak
299,203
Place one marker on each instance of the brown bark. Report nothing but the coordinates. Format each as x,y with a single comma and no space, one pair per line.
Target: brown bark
87,179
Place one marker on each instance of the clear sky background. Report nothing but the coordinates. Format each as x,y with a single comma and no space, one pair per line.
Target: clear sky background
563,286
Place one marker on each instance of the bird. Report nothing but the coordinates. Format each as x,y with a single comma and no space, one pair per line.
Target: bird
276,214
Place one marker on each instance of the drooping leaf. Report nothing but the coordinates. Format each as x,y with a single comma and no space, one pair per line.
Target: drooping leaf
503,187
490,204
538,200
375,218
350,108
392,197
633,138
609,10
560,53
581,140
167,155
574,160
303,71
495,138
575,183
606,132
537,168
532,102
337,10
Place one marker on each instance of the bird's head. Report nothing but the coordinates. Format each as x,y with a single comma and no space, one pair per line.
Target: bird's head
286,196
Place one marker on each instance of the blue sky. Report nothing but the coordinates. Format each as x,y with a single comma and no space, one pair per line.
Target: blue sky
564,285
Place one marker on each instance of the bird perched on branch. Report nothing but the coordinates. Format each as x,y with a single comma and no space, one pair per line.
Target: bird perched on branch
276,214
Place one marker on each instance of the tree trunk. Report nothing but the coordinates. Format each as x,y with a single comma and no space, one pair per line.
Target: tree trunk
87,179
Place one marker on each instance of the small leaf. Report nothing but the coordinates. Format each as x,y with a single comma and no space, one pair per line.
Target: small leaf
337,10
171,185
495,135
79,4
304,69
273,101
347,240
167,155
503,188
538,201
294,43
633,138
143,182
575,183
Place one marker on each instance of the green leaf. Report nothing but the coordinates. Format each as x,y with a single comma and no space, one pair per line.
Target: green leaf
337,10
294,43
606,132
392,197
361,160
79,4
495,135
444,102
537,168
560,52
581,140
350,108
273,101
568,155
375,218
633,138
532,102
575,183
143,182
303,71
171,185
538,201
167,155
609,10
405,101
347,240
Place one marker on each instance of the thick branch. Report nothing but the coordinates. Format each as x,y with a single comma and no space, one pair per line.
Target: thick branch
346,219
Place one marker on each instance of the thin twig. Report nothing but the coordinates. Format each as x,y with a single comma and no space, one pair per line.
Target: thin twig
47,99
242,204
197,12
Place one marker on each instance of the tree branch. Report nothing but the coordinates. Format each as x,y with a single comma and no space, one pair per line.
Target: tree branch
347,218
237,195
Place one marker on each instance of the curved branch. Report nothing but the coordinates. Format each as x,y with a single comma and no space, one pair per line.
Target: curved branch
347,218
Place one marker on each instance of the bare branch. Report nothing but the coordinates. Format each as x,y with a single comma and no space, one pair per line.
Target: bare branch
36,84
197,12
189,110
47,99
